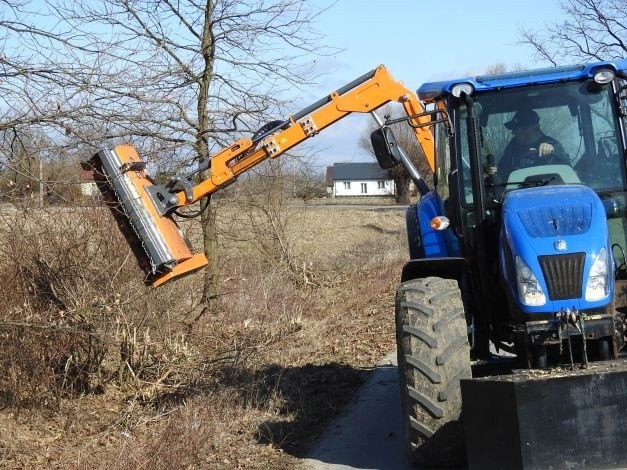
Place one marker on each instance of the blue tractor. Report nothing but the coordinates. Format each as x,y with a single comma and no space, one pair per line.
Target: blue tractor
521,245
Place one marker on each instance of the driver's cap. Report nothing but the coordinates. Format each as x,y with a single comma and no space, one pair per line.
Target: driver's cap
523,118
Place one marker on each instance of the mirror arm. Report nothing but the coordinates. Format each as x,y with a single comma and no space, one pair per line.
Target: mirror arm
413,173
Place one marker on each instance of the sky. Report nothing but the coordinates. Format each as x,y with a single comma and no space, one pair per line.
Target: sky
418,41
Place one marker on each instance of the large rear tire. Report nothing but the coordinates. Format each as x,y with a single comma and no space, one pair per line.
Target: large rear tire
433,355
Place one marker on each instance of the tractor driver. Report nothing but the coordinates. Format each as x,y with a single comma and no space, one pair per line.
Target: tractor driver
529,146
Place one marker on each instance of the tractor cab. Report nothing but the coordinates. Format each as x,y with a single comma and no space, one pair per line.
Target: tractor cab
530,171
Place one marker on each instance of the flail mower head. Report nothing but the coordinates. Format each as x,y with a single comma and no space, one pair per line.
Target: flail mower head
154,237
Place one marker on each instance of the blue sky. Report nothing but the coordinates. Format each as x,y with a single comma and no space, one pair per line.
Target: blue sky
418,41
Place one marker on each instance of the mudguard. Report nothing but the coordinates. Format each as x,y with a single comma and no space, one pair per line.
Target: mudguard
423,240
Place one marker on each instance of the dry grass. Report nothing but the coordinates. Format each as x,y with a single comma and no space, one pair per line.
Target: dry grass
103,372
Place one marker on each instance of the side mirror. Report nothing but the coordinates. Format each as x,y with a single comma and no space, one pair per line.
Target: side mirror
385,148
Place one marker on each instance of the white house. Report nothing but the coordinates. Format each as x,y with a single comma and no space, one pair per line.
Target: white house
87,184
358,179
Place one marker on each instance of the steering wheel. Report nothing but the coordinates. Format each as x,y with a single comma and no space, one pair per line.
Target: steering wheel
533,158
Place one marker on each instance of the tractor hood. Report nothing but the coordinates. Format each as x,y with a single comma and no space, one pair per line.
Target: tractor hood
556,232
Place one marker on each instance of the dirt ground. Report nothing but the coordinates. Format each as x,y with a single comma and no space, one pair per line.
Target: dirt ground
249,385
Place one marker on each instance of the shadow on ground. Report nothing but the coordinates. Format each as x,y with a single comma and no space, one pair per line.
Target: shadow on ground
310,397
305,399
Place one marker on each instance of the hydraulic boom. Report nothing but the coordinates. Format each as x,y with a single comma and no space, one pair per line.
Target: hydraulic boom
144,210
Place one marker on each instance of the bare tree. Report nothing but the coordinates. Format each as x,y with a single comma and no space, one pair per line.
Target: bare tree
31,115
593,29
179,79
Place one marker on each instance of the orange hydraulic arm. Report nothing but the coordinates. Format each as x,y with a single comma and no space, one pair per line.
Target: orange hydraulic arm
363,95
144,210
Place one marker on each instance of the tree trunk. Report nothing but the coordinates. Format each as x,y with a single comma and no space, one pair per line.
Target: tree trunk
210,291
208,217
402,189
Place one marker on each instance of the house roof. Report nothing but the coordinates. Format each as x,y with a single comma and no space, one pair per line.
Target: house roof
86,176
356,171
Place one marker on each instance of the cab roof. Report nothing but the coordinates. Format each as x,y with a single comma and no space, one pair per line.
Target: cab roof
433,91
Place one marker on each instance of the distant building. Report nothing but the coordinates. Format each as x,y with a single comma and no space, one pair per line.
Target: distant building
88,185
358,180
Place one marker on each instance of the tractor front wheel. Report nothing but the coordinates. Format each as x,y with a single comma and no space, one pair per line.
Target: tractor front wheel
433,355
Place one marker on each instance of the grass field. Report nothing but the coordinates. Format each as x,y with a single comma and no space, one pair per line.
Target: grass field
101,371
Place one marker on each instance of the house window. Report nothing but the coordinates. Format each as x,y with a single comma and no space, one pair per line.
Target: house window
380,184
347,185
364,188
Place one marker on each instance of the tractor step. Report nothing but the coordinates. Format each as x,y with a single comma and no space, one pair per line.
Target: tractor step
549,418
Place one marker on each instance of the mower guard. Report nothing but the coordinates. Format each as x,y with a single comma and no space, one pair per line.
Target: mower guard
156,240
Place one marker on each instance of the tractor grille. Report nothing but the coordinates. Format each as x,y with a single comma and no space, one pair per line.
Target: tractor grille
563,275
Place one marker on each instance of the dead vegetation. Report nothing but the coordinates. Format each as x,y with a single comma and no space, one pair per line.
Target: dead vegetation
102,371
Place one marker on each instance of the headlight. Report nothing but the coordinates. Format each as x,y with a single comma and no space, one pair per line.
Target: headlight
603,76
597,286
460,88
529,289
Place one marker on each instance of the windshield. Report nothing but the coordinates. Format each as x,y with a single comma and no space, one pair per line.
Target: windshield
550,134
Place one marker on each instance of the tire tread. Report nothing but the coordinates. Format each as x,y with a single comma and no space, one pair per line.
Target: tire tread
433,356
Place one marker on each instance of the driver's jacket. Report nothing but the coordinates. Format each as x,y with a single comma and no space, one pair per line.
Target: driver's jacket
517,155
